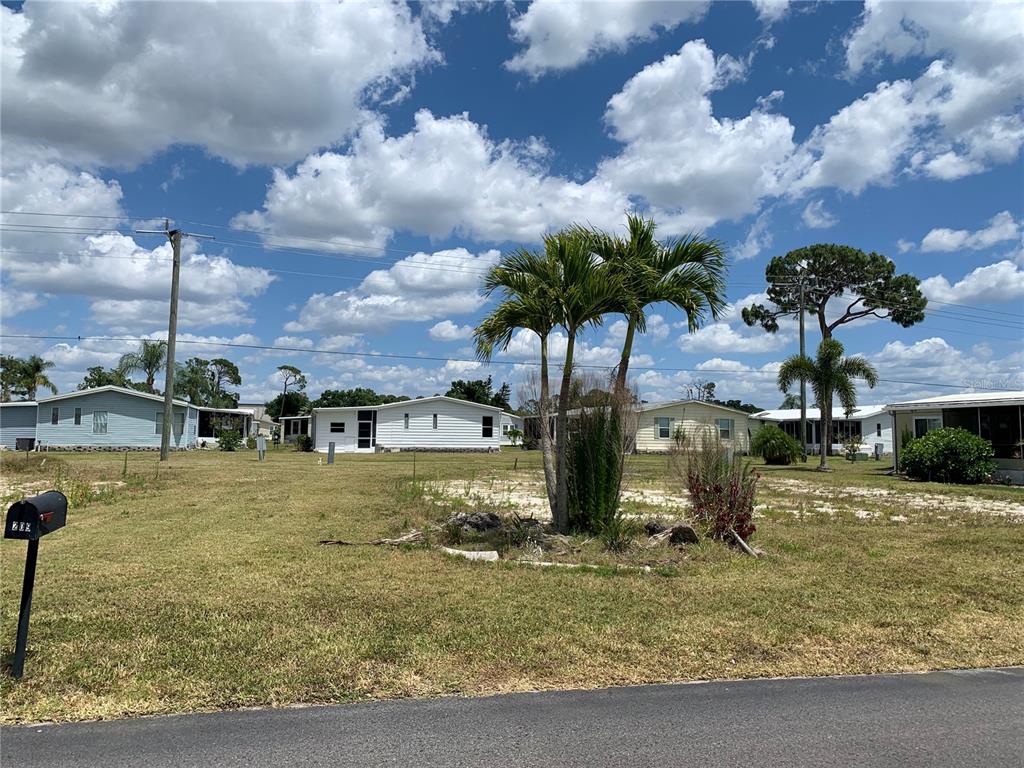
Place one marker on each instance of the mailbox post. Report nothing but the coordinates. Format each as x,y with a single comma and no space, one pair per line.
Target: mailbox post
29,520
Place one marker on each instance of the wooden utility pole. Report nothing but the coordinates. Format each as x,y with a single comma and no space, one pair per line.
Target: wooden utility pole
803,382
174,236
172,331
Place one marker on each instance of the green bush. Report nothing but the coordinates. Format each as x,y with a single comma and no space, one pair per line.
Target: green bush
949,455
774,446
229,439
304,443
250,442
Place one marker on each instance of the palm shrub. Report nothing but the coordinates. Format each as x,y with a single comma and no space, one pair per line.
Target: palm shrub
303,443
949,455
722,488
775,446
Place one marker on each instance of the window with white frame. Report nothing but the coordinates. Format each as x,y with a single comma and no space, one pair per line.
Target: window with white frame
725,428
337,426
54,415
78,417
878,430
663,428
435,421
487,426
405,419
505,428
178,424
925,425
99,422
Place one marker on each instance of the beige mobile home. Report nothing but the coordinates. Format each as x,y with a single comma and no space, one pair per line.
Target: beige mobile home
661,426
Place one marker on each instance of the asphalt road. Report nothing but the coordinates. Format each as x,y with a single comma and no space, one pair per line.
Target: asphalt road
944,719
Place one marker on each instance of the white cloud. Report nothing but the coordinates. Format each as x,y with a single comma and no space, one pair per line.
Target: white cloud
113,83
862,143
770,11
1001,228
13,302
758,238
444,177
49,187
561,35
129,283
721,337
1002,281
904,246
985,35
958,118
721,168
657,329
446,330
816,217
418,288
297,342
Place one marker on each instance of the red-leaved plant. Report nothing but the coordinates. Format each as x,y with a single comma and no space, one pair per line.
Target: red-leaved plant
721,486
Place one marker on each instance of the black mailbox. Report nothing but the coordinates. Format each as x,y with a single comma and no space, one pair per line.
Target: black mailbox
30,520
33,518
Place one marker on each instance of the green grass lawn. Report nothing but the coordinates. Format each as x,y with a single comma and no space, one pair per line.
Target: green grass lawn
205,588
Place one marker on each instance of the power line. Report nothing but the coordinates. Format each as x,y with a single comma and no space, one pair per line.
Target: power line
263,245
470,270
427,358
959,317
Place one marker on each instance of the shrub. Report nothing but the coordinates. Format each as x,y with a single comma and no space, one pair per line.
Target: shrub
304,443
618,533
949,455
229,439
250,442
721,487
774,446
596,451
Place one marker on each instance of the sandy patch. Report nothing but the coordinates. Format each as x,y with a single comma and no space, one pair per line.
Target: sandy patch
524,495
902,500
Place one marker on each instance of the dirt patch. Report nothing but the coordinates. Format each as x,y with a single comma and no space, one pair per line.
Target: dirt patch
901,500
524,495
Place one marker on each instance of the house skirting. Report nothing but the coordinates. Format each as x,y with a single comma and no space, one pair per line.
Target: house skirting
106,448
418,449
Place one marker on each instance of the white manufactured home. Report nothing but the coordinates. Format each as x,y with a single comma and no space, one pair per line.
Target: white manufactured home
870,423
426,424
996,416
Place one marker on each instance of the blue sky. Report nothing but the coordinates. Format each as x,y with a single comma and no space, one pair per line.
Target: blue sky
389,152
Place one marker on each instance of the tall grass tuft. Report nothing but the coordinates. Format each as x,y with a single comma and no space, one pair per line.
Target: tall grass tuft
721,486
601,431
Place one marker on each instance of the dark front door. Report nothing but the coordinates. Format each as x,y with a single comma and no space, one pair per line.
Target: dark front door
365,433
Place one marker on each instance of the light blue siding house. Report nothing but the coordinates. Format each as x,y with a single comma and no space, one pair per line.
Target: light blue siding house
17,423
112,418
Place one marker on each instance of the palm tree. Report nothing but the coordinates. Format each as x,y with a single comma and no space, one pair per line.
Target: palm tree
688,273
525,279
33,376
150,359
566,287
830,375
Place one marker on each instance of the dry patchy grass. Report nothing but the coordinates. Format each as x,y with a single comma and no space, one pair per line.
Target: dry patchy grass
204,588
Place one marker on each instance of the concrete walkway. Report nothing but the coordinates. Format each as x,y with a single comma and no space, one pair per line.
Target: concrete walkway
943,719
